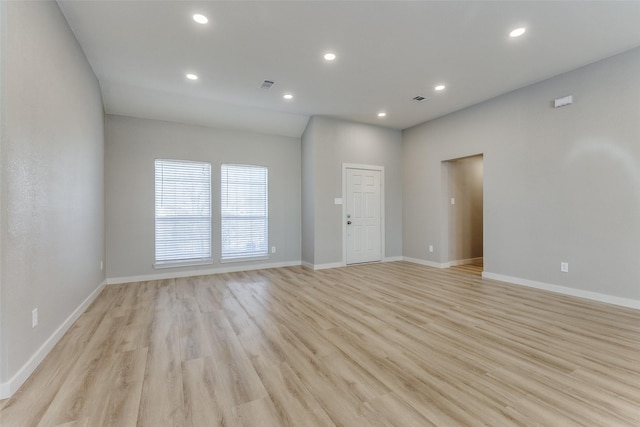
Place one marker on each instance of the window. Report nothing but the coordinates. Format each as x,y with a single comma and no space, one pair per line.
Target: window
244,211
183,212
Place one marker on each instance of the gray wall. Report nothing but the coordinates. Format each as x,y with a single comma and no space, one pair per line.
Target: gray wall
308,193
464,185
328,143
51,179
559,184
132,147
3,205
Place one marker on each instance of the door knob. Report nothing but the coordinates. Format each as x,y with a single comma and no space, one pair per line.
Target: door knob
348,222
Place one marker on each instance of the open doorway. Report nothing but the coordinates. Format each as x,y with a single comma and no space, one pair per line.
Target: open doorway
463,182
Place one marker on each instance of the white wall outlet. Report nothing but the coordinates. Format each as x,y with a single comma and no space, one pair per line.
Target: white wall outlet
564,267
273,249
34,317
101,265
453,200
430,248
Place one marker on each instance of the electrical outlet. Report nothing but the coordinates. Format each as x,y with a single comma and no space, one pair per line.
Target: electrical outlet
564,267
430,248
101,265
453,200
34,317
273,249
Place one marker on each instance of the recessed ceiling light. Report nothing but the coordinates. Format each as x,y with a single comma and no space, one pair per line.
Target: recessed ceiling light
192,76
329,56
287,96
382,114
439,87
200,19
517,32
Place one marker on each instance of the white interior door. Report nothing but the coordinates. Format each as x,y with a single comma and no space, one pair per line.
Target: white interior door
363,216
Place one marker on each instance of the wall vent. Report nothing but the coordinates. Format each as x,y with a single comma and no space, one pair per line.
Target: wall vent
420,98
561,102
267,84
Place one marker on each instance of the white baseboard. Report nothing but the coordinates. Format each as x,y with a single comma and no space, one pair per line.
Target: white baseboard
191,273
8,388
595,296
427,263
342,264
328,265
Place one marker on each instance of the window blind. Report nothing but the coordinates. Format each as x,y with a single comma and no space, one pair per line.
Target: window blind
182,211
244,211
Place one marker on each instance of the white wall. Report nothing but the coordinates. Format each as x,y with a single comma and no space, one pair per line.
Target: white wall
51,185
559,184
132,147
328,143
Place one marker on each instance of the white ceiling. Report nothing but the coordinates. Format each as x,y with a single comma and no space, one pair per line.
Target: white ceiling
387,53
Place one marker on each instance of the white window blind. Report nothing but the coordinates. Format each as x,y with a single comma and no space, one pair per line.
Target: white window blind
244,211
183,211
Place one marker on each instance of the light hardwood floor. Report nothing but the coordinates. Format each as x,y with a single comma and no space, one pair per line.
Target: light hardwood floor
394,344
473,269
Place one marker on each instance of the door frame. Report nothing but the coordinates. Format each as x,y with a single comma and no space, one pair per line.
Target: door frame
346,166
445,210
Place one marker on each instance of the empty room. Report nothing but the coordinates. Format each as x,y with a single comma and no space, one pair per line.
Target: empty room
319,213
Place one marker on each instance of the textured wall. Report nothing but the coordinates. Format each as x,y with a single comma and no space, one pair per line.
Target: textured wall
52,179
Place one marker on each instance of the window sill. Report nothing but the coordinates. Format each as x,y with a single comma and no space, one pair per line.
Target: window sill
188,263
243,259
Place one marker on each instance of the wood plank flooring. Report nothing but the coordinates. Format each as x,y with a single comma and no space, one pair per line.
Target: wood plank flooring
474,269
394,344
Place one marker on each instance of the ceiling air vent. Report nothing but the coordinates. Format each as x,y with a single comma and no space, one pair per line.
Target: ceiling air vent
420,98
267,84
